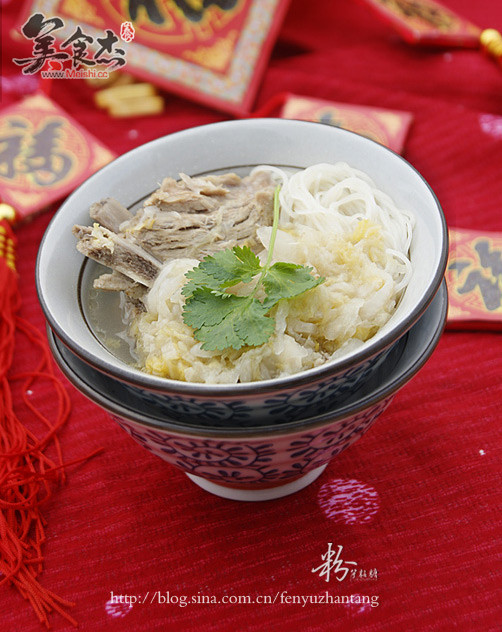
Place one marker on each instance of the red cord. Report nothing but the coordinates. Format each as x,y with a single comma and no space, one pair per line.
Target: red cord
28,476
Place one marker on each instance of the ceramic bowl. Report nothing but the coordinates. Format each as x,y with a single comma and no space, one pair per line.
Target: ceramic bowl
265,462
64,277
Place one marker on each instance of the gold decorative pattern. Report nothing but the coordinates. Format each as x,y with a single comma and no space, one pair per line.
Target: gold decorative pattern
491,41
198,5
83,10
102,156
7,247
391,122
7,212
215,57
421,12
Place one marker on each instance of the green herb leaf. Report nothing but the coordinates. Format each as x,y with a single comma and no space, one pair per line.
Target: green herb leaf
221,320
287,280
223,269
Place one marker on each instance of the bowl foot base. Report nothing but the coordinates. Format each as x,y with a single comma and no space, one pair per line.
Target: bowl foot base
258,494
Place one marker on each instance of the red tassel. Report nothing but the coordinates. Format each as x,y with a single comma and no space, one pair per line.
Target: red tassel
27,474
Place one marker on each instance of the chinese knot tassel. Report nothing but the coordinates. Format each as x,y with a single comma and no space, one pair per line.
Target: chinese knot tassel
27,473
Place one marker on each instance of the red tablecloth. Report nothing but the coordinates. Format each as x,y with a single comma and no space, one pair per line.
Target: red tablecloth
415,502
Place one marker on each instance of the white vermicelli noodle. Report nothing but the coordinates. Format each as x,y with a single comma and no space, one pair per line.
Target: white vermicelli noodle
332,219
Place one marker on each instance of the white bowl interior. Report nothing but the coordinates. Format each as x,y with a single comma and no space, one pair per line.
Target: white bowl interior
225,147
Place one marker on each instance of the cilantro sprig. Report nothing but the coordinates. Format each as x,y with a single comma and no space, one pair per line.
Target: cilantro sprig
220,319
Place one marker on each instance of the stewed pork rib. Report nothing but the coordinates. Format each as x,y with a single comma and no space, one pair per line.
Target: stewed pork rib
189,217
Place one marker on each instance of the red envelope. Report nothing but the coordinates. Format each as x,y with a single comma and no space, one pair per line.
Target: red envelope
427,22
474,279
388,127
44,154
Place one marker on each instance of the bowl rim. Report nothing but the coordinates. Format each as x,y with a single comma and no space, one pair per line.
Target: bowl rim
384,392
331,368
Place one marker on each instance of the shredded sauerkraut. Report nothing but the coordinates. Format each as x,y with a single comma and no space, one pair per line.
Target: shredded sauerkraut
334,220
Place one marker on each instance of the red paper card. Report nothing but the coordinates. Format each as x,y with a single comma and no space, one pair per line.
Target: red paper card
44,154
213,51
388,127
427,22
474,279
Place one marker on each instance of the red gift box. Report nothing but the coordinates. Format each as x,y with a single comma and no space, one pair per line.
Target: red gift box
212,52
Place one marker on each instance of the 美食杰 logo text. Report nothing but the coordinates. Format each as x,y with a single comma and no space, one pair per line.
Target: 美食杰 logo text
79,56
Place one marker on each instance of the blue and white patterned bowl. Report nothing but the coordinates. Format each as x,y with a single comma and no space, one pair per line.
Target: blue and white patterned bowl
248,408
63,278
265,462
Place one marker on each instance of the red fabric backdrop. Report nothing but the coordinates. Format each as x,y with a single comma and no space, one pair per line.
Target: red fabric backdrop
417,498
